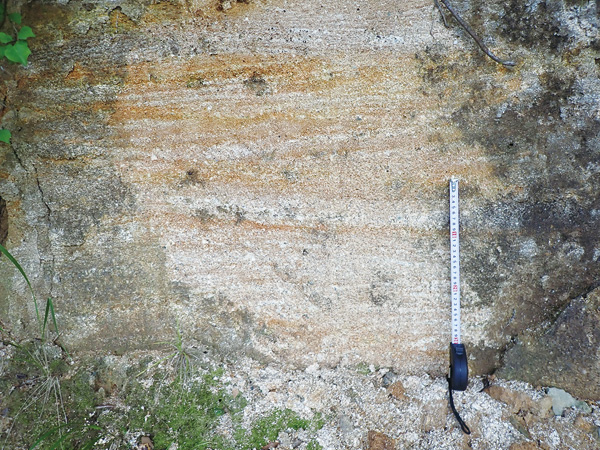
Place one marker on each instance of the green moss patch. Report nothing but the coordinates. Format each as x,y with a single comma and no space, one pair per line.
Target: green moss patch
92,408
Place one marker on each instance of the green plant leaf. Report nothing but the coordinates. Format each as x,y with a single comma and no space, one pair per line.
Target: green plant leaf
5,136
24,33
15,18
91,443
49,312
12,259
6,38
47,434
59,442
18,52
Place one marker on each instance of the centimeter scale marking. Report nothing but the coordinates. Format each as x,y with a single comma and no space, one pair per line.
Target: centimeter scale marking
455,260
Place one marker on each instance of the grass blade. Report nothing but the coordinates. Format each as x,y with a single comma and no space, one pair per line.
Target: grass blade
45,321
12,259
53,315
61,440
47,434
92,442
49,311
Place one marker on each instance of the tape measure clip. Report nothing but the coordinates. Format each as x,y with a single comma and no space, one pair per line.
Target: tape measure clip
459,369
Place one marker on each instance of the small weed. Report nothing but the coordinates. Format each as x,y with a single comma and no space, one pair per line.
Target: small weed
37,394
314,445
186,414
267,429
69,436
180,361
49,310
363,368
44,362
14,48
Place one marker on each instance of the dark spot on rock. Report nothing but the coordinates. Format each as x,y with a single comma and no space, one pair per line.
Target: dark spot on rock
483,360
240,216
87,193
226,5
435,67
3,221
534,25
120,21
377,299
238,213
557,90
193,177
203,215
290,175
380,289
230,328
257,83
388,379
195,82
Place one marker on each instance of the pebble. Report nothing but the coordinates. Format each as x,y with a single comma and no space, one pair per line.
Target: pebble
285,439
562,400
145,444
346,425
434,415
524,446
388,379
397,391
379,441
517,401
519,424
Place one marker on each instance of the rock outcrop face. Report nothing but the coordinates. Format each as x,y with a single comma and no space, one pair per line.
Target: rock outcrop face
272,176
568,351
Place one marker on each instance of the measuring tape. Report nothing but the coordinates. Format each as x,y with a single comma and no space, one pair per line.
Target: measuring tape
455,260
459,370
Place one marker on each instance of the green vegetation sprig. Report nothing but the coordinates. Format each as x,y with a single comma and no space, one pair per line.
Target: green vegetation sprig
49,312
14,48
15,263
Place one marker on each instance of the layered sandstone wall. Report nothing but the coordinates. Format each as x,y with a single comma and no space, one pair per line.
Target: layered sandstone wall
272,176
